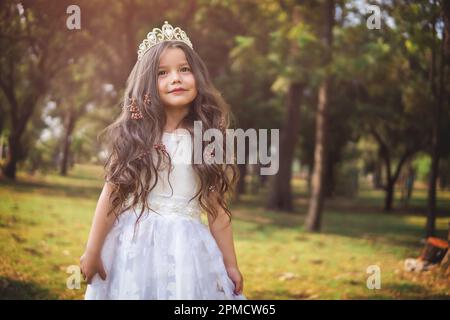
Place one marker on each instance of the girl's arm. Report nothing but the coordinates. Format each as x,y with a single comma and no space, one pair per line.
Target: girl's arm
221,229
90,261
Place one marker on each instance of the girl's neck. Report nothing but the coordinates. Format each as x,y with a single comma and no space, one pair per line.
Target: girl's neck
174,118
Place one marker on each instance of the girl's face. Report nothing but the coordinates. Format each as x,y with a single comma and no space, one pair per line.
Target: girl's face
176,82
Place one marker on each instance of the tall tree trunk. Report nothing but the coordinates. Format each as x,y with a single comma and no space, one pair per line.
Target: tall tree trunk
280,196
438,93
313,220
314,216
281,193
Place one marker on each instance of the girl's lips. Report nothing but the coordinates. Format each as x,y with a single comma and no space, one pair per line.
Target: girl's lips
178,91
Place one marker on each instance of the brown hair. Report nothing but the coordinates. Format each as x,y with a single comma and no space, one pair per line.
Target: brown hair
127,139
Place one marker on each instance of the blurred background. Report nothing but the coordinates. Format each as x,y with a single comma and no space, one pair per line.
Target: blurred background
358,89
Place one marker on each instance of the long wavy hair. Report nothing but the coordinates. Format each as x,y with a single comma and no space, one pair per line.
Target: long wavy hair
132,162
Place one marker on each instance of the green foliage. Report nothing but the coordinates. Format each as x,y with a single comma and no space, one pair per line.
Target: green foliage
422,165
254,51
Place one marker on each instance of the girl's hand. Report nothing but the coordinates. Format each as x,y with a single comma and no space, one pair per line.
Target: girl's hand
236,276
90,264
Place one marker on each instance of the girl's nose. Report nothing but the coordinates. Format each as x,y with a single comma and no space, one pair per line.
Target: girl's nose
175,78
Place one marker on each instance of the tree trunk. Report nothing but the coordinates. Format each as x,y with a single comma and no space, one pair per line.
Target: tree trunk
10,168
70,125
438,92
391,176
314,216
20,114
255,180
389,195
378,174
280,197
313,220
240,188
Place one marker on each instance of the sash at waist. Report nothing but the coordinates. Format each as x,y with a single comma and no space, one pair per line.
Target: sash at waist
173,205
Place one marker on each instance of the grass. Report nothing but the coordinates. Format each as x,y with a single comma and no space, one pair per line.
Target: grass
45,220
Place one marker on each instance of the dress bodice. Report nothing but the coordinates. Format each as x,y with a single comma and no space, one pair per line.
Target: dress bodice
183,179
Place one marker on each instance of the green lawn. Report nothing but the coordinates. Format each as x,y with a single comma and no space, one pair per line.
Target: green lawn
45,220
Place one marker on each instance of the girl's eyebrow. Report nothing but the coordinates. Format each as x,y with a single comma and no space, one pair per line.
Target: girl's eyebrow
183,63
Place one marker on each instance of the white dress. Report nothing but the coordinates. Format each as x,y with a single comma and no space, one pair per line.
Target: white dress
173,254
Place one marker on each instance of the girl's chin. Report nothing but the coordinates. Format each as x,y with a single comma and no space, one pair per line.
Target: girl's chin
177,104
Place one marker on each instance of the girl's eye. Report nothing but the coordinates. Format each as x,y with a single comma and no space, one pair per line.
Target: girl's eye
183,69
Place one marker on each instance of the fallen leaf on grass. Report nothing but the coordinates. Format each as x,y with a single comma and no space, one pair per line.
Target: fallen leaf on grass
287,276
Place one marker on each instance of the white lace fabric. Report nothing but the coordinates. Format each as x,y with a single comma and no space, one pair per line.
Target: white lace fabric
172,254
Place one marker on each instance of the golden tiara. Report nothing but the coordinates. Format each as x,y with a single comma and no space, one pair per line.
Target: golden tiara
166,33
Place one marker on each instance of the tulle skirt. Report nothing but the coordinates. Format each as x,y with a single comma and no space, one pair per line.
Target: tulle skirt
169,257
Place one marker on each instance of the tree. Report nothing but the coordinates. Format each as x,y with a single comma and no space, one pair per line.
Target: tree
71,104
281,194
313,219
438,78
425,27
36,47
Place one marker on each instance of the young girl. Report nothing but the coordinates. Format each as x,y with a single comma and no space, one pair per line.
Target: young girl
147,240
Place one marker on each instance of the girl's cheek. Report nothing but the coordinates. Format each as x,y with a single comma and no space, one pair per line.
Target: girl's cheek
192,80
161,85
